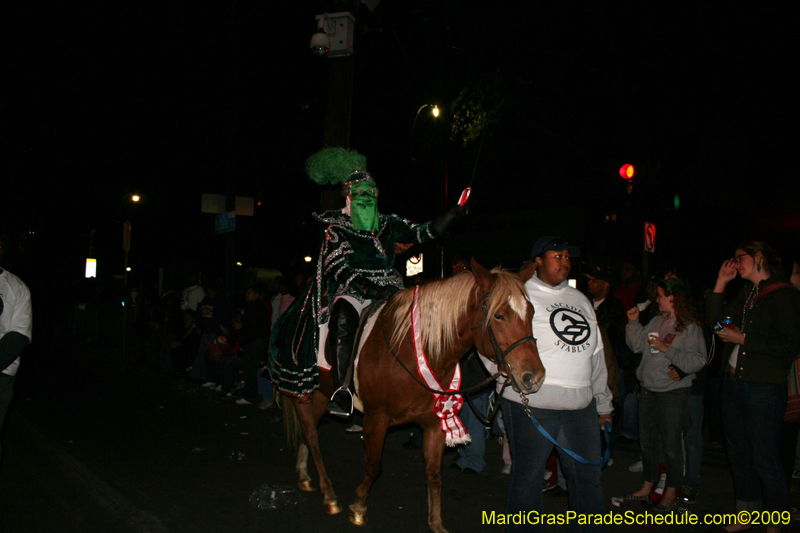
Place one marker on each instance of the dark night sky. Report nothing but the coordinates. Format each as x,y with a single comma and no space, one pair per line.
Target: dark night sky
177,100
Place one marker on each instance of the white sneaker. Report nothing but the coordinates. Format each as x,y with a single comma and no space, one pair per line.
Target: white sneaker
636,467
218,388
242,401
354,428
209,384
506,469
796,474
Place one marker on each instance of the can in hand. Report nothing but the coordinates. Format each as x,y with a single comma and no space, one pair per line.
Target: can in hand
728,322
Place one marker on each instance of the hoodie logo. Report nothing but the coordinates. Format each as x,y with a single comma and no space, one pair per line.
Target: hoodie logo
569,326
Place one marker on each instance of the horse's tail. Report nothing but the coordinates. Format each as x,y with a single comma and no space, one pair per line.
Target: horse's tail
292,430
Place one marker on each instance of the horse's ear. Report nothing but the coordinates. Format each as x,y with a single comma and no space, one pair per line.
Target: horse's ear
527,273
482,276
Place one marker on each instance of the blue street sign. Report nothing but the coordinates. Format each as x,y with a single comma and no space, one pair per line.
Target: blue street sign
225,222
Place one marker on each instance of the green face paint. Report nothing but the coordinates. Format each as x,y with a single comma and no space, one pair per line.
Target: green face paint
364,208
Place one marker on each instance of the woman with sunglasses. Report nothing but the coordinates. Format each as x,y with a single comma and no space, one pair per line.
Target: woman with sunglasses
760,344
673,339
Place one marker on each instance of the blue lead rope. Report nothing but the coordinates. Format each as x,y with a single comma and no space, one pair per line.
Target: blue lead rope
601,462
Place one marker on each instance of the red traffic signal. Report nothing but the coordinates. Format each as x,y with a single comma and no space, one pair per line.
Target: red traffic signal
626,172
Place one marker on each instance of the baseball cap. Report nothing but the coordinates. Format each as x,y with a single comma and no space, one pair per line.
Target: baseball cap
545,244
673,286
601,272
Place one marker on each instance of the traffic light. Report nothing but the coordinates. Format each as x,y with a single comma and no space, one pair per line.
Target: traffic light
626,172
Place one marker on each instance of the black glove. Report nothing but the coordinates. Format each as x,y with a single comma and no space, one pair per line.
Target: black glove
681,373
446,219
372,291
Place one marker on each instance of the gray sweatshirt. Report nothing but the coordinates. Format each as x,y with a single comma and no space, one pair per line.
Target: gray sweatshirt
686,350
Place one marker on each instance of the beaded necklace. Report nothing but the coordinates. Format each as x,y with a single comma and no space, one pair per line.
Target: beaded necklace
748,304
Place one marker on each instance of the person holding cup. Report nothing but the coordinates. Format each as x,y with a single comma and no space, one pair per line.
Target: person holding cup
673,339
759,350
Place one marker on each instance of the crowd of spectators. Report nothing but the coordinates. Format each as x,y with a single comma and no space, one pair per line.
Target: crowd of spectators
671,346
199,336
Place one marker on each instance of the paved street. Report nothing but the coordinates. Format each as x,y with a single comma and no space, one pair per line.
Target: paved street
93,444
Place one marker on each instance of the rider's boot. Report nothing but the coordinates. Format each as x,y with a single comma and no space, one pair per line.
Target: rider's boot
341,334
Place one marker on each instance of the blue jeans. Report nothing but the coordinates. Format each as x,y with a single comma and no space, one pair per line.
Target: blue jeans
252,355
264,385
693,440
6,393
199,369
165,354
575,430
752,414
630,411
471,455
661,416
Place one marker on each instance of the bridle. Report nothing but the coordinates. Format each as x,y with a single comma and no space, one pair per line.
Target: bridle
503,368
502,364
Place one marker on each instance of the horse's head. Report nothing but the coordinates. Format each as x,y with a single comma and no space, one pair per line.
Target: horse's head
505,334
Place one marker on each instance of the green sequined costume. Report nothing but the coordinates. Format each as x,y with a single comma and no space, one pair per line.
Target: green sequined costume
346,254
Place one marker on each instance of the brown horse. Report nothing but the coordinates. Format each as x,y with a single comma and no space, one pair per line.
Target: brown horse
489,310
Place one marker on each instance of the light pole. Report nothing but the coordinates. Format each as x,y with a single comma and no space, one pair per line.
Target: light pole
435,112
126,237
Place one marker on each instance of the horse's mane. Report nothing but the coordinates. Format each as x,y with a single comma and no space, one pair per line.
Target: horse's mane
443,303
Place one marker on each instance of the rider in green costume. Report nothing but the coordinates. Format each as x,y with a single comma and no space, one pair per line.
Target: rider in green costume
355,266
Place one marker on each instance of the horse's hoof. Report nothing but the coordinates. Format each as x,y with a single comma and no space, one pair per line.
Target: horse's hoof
333,507
357,518
305,486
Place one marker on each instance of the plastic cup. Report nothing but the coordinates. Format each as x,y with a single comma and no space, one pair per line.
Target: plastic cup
653,349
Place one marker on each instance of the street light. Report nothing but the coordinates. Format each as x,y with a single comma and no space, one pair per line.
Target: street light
126,237
435,112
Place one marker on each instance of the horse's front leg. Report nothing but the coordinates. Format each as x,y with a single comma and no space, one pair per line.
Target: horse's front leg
434,449
375,427
309,417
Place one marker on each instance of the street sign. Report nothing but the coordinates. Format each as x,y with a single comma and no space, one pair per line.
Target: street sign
414,265
650,237
225,222
91,268
215,203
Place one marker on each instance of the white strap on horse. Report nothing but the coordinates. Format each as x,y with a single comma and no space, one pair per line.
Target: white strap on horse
445,406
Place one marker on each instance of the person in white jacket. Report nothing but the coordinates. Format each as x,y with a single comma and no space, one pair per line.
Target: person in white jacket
15,333
573,403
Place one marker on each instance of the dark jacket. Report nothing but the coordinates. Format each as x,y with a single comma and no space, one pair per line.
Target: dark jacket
255,322
213,314
772,331
611,316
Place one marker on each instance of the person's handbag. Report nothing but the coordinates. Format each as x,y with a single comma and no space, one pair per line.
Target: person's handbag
793,405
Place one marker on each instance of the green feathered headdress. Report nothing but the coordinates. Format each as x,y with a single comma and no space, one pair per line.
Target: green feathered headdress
334,165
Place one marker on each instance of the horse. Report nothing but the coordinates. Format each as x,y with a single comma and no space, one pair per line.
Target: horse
488,310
